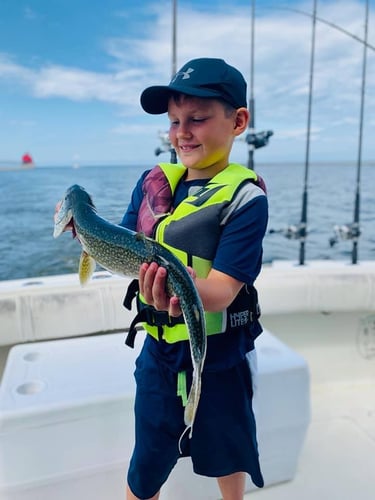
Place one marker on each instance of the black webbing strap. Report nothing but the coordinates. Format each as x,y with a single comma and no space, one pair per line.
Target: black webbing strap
130,338
146,314
246,301
131,292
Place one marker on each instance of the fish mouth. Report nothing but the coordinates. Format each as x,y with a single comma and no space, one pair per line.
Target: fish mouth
63,219
60,228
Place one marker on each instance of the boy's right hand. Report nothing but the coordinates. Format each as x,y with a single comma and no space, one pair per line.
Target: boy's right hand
153,287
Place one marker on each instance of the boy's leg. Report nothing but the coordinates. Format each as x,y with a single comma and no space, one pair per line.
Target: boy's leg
130,496
159,422
232,487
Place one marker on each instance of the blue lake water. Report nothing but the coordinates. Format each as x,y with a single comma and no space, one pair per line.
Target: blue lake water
28,198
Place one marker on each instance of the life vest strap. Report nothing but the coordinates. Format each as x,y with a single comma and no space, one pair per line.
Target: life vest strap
131,292
146,314
244,309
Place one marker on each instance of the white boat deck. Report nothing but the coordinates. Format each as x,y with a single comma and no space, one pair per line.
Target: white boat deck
337,461
338,458
324,313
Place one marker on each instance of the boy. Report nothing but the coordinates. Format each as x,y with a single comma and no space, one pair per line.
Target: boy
213,215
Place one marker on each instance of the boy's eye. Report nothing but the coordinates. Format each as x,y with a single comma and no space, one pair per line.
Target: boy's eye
174,123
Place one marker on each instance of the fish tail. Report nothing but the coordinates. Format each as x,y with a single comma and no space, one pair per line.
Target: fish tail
193,399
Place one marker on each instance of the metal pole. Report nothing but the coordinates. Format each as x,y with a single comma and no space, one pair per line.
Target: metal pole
250,162
174,37
174,58
356,230
303,224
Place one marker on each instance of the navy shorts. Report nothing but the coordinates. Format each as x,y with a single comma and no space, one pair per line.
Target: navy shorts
224,432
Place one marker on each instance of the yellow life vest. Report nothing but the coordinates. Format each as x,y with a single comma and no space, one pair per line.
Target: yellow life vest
192,231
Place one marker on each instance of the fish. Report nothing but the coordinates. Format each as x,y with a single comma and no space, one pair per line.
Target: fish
122,251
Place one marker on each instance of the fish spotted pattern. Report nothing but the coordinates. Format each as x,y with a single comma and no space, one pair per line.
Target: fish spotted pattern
122,251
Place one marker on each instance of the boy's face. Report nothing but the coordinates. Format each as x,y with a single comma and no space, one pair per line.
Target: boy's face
202,132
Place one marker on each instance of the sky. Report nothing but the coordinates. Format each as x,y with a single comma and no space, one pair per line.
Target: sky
72,71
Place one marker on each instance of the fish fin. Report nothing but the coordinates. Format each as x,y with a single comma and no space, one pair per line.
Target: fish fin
87,266
140,236
148,242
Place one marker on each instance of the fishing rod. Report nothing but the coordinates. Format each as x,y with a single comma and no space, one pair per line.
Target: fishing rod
254,139
352,231
299,231
359,158
251,131
164,136
346,231
174,61
174,37
303,223
330,24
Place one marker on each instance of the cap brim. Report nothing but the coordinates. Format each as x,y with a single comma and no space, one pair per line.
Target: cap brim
154,100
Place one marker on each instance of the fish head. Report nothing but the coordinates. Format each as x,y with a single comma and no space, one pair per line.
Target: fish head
64,216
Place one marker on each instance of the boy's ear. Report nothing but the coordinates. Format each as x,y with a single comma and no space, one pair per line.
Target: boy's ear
242,120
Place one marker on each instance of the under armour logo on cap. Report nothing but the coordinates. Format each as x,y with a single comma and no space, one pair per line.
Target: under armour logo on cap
206,78
184,74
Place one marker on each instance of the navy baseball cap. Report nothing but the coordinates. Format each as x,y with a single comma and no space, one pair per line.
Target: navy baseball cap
204,77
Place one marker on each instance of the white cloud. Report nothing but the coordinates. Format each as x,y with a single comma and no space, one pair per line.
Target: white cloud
282,57
12,71
282,48
79,85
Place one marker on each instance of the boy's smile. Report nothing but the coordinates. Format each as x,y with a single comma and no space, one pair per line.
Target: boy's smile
202,132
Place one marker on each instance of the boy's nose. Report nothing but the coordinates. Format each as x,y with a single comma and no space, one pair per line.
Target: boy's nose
183,131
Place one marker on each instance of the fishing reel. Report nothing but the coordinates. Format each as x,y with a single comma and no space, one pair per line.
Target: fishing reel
166,146
292,232
259,139
345,232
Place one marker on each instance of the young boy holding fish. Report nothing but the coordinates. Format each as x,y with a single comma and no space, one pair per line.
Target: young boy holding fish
212,214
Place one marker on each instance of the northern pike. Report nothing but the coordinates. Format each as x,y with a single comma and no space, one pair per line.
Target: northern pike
122,251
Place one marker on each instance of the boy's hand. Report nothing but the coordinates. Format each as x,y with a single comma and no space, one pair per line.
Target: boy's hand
152,285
